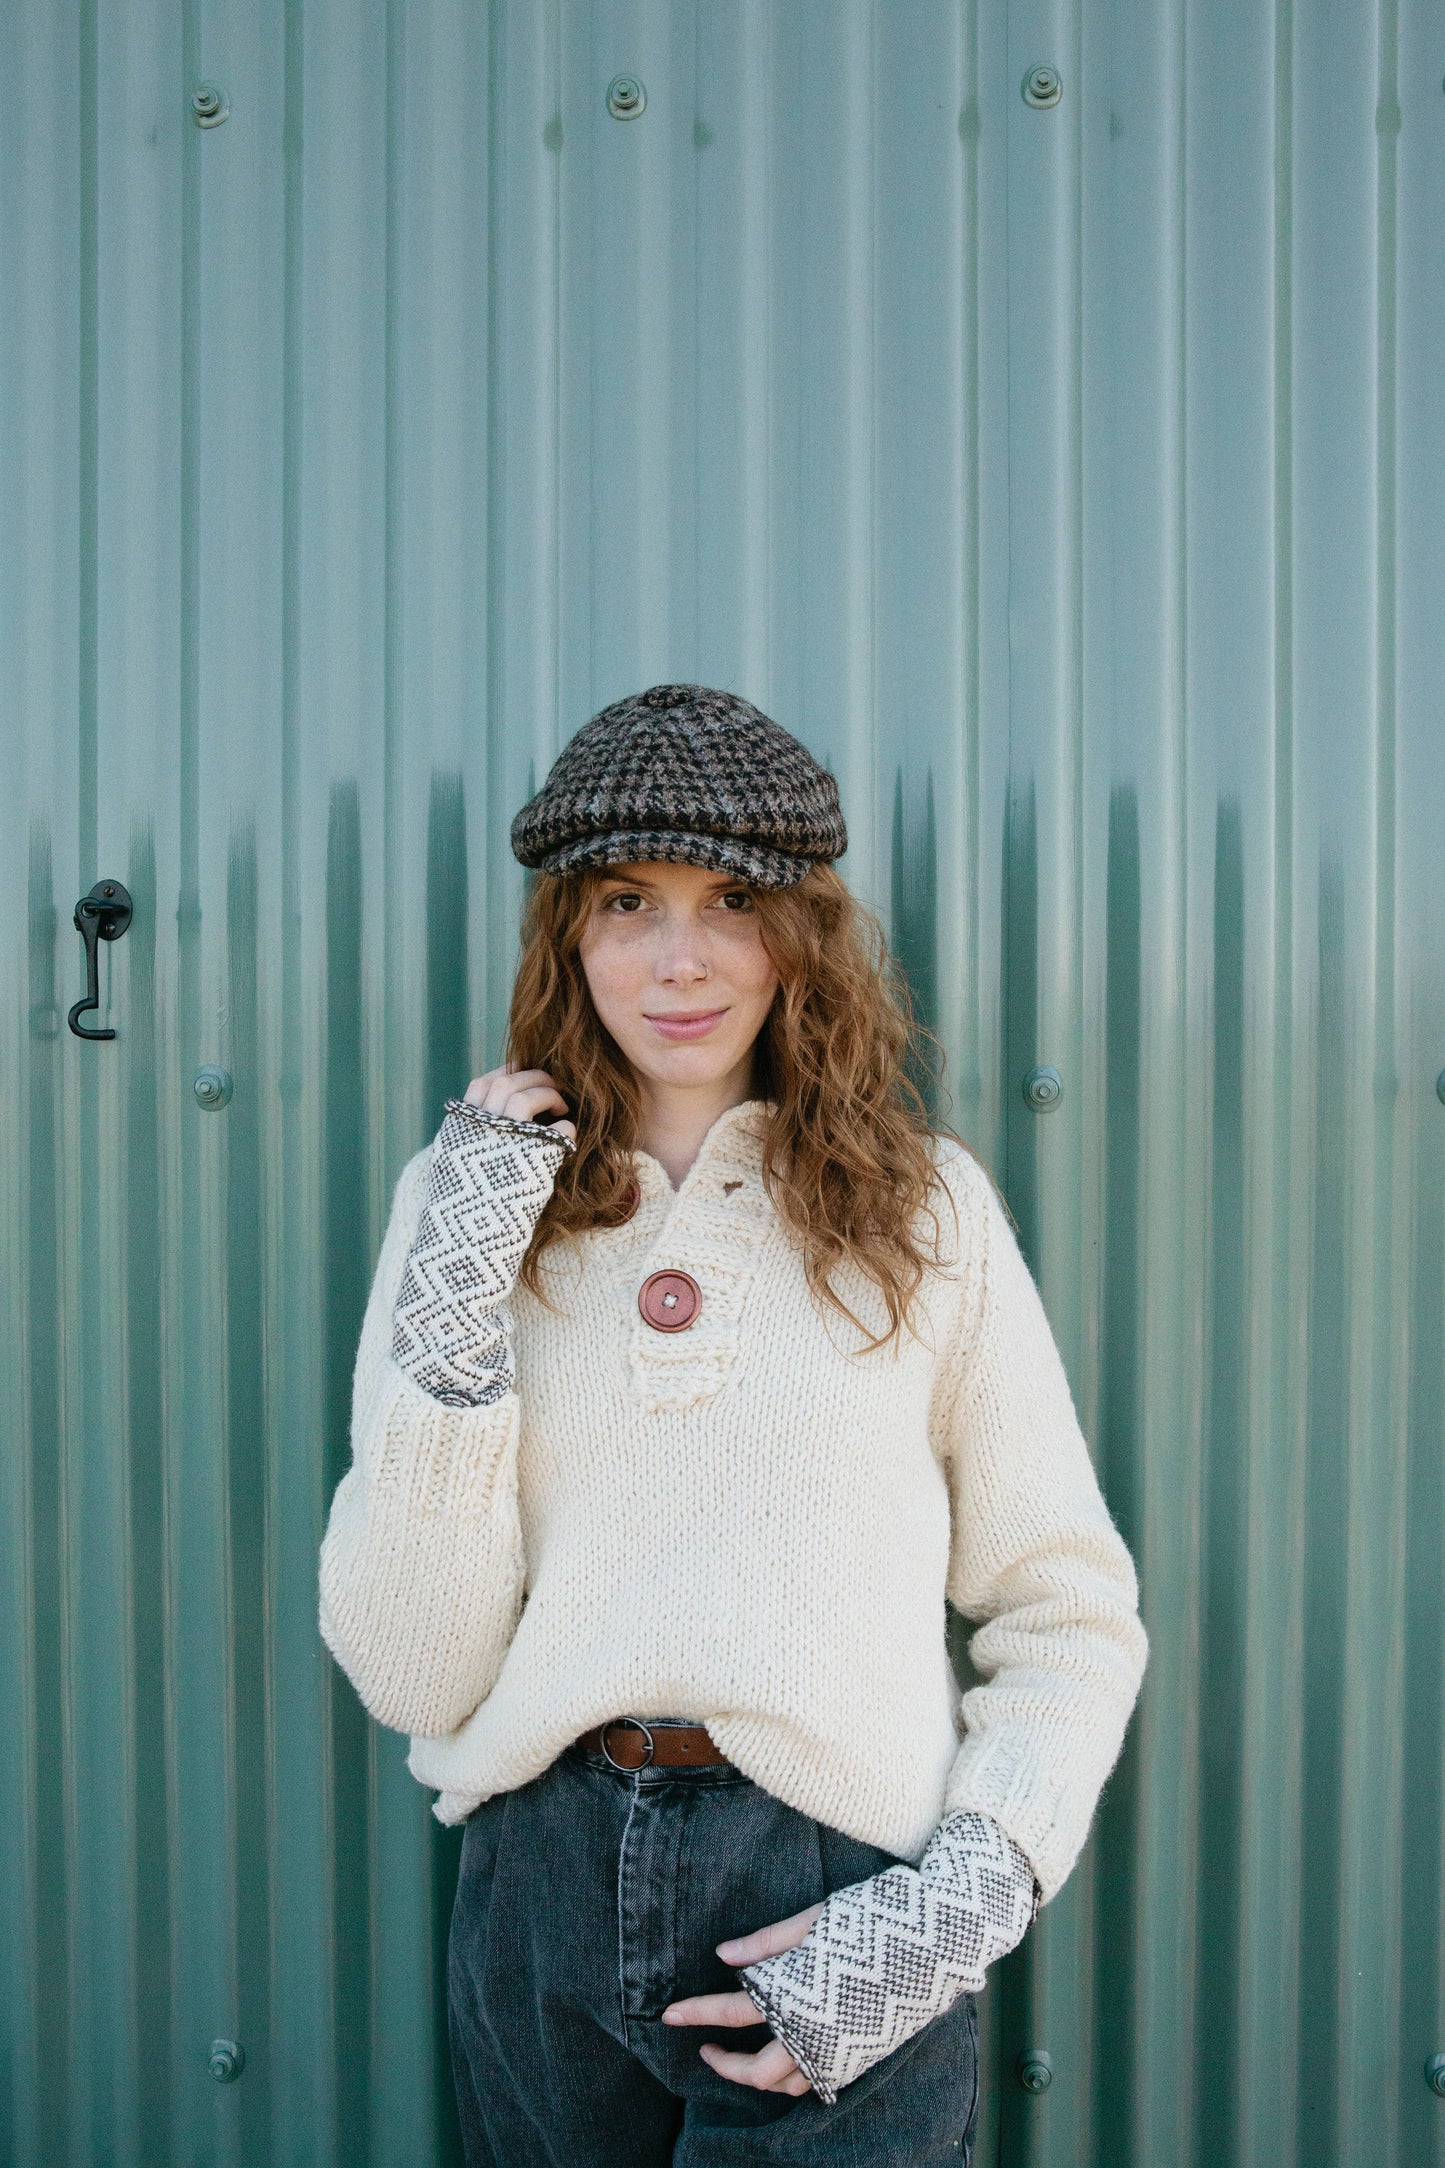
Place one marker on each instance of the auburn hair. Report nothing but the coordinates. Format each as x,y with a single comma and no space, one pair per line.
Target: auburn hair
846,1155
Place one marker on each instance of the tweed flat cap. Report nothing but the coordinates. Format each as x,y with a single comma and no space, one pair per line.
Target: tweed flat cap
689,775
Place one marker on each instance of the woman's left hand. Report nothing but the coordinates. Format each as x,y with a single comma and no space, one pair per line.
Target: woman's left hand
772,2069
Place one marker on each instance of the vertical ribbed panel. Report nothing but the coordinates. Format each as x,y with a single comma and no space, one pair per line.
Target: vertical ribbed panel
1069,479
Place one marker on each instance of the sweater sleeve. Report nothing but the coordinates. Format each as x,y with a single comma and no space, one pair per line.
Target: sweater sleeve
1037,1560
422,1565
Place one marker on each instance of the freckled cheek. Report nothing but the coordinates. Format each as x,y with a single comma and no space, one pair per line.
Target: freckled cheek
756,974
618,972
742,956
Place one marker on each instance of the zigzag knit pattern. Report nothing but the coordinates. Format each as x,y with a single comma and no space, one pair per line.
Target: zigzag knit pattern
886,1955
489,1178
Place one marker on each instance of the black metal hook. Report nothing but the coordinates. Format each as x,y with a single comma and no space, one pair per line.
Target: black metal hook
103,915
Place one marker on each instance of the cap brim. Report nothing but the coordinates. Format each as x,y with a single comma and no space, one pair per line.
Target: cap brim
757,863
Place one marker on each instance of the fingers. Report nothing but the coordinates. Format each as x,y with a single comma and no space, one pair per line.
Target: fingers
771,2070
525,1106
768,1941
523,1094
476,1091
507,1078
731,2009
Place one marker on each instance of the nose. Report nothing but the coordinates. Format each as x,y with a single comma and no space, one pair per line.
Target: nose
682,954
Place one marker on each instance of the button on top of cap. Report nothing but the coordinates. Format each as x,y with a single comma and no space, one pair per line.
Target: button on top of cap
669,1301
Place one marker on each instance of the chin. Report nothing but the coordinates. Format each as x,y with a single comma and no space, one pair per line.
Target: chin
696,1064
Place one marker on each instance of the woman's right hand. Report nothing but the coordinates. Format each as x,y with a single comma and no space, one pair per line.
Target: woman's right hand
523,1094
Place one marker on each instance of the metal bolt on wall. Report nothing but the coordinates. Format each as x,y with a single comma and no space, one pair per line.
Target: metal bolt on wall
213,1088
1035,2070
226,2061
210,105
1043,1089
626,97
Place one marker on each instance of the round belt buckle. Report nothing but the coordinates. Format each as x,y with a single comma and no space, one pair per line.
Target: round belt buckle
638,1725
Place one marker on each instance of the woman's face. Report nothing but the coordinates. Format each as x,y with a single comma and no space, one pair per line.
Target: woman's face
678,974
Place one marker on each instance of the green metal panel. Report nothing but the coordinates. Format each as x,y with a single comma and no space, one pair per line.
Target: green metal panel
1069,478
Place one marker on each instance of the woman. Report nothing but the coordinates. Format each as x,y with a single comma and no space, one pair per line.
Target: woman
697,1372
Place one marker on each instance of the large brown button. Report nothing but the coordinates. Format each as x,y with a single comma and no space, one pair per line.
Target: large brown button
669,1300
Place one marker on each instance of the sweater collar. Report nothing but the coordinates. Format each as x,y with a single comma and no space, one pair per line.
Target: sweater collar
731,1150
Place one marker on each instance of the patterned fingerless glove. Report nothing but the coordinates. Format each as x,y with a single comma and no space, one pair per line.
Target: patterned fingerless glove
490,1176
886,1955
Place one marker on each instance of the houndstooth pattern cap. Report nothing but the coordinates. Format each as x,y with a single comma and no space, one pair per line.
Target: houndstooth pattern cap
686,774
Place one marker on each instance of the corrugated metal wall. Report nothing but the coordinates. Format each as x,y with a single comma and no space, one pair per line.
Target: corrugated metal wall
1070,478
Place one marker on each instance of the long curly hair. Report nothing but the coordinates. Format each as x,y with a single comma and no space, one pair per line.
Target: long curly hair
840,1058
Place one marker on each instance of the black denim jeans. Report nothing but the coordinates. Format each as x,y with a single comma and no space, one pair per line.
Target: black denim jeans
590,1899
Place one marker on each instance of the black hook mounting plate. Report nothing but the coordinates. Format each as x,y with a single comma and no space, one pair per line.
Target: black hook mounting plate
111,904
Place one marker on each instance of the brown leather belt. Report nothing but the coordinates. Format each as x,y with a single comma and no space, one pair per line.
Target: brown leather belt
628,1743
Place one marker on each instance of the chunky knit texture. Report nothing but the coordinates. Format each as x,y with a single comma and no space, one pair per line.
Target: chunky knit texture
886,1956
751,1520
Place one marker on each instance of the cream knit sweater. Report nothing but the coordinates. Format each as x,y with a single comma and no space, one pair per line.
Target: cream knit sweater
749,1522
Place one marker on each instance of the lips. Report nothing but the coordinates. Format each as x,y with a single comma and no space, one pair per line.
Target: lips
694,1026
